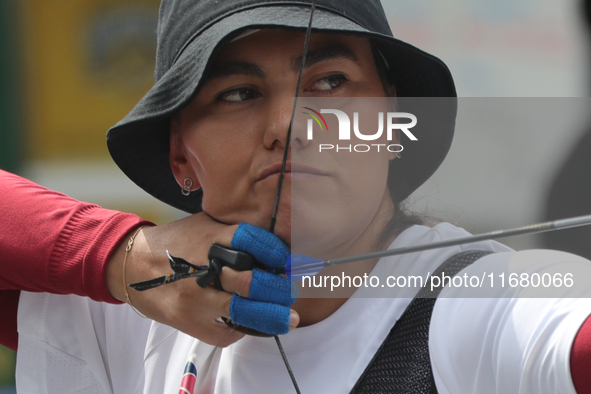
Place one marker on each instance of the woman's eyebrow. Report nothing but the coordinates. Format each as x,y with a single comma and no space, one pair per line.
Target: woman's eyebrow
329,52
235,68
315,56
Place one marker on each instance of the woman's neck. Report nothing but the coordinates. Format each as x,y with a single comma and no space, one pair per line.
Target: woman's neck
318,299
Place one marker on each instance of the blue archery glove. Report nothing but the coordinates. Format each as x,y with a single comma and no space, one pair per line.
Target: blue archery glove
267,307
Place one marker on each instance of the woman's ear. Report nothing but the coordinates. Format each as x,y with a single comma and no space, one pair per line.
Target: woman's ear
395,140
180,165
391,92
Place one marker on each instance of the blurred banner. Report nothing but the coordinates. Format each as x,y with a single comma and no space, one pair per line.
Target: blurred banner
87,63
500,48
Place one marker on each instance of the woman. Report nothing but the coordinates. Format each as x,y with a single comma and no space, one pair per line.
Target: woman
218,117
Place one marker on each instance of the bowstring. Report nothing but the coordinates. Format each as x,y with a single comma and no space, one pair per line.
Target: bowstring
282,174
287,142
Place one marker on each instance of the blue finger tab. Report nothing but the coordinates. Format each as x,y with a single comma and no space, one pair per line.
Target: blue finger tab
267,287
262,245
264,317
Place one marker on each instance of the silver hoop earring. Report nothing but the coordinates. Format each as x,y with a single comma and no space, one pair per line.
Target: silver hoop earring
186,189
398,155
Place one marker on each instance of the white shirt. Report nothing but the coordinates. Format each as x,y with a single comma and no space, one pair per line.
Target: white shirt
70,344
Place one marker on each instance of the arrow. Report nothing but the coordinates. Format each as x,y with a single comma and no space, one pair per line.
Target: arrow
300,265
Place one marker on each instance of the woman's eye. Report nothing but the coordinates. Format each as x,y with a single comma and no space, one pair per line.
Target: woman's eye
237,95
329,83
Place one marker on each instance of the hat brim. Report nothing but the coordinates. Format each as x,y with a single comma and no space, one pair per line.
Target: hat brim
139,144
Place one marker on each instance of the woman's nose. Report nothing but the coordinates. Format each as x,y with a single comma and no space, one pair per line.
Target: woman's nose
279,117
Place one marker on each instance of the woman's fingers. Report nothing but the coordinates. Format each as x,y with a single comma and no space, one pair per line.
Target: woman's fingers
265,317
267,287
236,281
259,285
265,247
196,311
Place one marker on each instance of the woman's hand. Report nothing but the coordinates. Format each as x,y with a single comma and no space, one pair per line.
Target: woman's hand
183,304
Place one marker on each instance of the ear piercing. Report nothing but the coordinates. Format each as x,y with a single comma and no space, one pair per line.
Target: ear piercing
186,189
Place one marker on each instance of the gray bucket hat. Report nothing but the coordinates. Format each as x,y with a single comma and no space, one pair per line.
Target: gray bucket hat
190,31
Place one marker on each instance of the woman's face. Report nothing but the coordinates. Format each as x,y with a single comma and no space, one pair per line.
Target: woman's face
230,139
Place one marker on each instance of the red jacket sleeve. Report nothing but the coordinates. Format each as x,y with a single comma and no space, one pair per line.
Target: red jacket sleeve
52,243
580,359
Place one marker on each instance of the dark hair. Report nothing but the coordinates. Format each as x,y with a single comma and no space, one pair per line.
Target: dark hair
401,219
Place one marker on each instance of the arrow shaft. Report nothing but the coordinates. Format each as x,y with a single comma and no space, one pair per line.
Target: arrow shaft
531,229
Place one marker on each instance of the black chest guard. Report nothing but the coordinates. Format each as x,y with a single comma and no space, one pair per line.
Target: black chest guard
402,363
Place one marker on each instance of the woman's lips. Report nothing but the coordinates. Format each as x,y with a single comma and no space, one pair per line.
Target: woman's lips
291,170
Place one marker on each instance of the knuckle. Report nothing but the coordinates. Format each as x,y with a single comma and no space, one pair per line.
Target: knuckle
243,281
